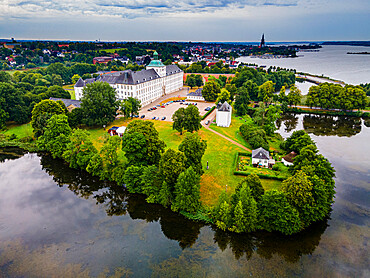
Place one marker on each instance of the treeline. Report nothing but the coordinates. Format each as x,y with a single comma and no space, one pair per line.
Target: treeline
19,94
366,88
305,198
334,96
138,161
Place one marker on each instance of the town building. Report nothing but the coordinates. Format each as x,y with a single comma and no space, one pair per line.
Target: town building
69,103
102,60
223,114
197,95
146,85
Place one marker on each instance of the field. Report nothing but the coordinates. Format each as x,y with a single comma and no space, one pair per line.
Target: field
113,50
220,155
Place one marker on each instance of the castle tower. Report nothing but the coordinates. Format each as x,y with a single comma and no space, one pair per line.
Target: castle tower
157,65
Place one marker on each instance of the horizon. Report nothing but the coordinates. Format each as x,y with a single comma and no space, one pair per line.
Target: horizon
186,20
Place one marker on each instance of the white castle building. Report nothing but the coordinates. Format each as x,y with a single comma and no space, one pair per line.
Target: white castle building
145,85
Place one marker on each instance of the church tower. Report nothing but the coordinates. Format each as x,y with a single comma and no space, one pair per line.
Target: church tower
263,41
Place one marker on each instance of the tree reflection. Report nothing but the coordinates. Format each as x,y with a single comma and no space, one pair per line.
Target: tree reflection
11,153
174,226
290,121
267,244
331,125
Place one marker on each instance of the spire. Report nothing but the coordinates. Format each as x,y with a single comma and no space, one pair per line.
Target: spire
155,55
263,41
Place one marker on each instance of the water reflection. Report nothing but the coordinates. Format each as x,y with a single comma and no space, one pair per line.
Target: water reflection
174,226
323,125
331,125
11,153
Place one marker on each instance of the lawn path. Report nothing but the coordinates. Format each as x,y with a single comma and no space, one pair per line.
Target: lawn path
227,138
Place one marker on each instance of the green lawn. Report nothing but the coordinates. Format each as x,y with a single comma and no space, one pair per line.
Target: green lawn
113,50
220,154
19,130
71,90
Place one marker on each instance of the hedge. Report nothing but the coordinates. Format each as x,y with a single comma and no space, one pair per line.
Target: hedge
208,112
241,173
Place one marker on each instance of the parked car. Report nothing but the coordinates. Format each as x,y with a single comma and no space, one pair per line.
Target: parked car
207,122
157,118
163,118
150,109
142,116
153,118
207,109
163,106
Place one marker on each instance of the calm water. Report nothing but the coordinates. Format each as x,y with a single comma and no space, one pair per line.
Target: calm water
332,61
57,222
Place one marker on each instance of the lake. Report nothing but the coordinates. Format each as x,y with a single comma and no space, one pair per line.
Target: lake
332,61
59,222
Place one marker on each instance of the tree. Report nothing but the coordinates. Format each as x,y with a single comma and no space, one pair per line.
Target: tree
151,183
190,80
187,119
11,102
134,146
244,209
75,78
223,96
187,191
172,163
294,96
179,120
298,140
242,101
298,190
198,80
103,163
130,106
276,214
56,135
255,185
154,147
133,179
221,212
266,90
99,104
58,92
75,117
282,95
211,90
61,70
193,148
192,119
43,111
79,150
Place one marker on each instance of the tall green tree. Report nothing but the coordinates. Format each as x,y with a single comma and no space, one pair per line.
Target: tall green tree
294,96
43,111
56,135
154,147
99,104
187,119
266,90
297,141
276,214
179,120
194,148
187,191
133,180
223,96
171,165
211,90
79,150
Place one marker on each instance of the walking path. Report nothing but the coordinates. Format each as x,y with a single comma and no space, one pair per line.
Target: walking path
212,116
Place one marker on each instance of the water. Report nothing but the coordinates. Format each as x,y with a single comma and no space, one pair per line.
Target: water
58,222
332,61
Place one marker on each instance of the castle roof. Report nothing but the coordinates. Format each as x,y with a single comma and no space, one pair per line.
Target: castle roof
225,107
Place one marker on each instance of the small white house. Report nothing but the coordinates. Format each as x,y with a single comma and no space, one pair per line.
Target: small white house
197,95
260,157
223,114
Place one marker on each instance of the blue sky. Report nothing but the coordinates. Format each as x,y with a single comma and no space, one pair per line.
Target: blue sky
185,20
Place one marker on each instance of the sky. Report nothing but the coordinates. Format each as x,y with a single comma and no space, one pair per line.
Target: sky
186,20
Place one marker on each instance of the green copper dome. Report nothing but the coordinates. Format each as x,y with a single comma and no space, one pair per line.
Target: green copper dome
156,62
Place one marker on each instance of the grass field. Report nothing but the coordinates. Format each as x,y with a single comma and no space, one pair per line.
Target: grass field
220,154
71,90
112,50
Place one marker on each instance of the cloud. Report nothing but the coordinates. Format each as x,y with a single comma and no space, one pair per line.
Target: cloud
127,8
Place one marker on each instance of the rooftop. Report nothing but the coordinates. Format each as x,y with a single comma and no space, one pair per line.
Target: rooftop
68,102
260,153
